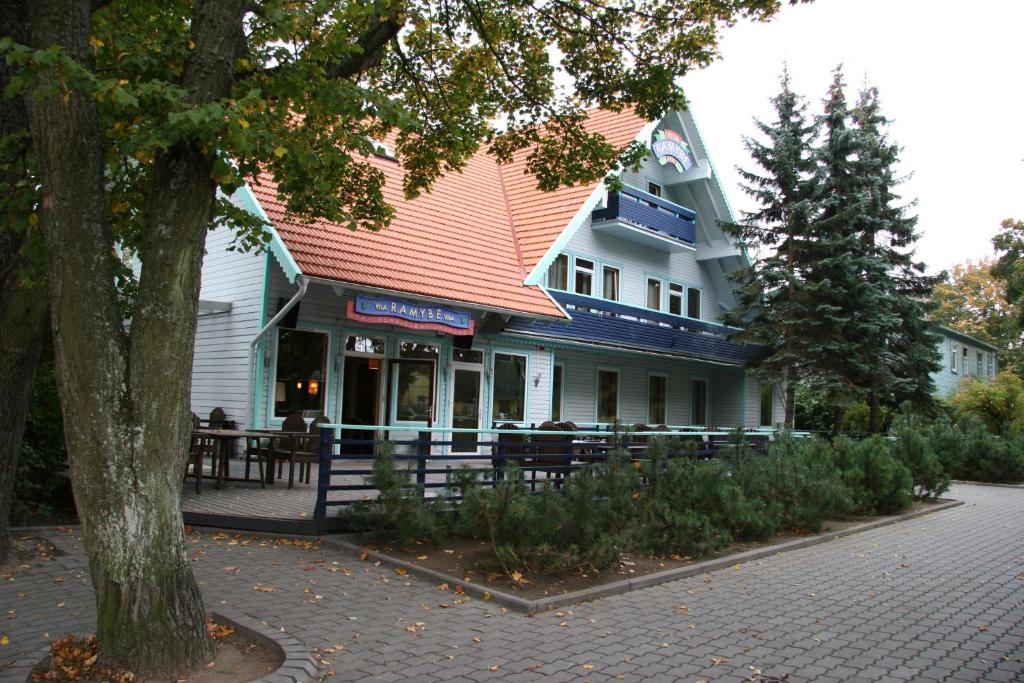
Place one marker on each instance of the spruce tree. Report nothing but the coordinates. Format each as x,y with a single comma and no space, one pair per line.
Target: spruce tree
771,306
888,232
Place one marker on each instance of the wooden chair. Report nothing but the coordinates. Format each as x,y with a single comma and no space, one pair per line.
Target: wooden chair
201,446
307,452
284,449
256,449
217,417
509,446
554,454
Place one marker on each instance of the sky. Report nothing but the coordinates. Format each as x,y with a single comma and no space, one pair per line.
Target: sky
950,77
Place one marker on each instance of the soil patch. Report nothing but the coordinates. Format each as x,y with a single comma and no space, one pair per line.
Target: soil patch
473,562
238,658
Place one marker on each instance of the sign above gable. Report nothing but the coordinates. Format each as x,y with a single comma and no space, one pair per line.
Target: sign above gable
387,311
669,147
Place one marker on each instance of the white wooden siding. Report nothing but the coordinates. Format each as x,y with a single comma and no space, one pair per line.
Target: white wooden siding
221,356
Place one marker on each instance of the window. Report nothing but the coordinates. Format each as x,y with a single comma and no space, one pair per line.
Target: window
654,188
977,364
966,365
767,405
610,283
414,391
991,365
675,299
558,273
693,302
657,400
369,345
417,350
509,378
556,393
467,356
954,353
584,277
699,402
653,294
301,373
607,395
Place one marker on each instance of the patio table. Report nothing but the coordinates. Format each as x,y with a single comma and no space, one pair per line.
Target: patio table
226,438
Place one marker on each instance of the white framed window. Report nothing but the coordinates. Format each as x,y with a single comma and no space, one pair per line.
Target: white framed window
557,391
991,364
675,299
693,303
654,294
767,404
657,400
508,400
583,277
966,364
954,354
977,364
607,409
558,273
610,283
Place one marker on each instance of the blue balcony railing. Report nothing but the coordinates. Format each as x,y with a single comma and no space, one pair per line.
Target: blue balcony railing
645,210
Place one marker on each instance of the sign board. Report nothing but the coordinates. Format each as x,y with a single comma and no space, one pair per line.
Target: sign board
669,147
388,311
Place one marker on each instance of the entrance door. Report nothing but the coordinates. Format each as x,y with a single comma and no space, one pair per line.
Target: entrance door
467,390
360,398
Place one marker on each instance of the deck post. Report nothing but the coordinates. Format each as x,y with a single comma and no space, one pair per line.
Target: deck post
422,452
323,478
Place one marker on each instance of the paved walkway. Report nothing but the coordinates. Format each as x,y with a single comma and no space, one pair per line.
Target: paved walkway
941,597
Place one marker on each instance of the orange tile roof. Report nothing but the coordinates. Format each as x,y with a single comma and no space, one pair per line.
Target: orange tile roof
456,242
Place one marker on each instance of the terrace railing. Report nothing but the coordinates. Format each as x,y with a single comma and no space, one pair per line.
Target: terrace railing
434,455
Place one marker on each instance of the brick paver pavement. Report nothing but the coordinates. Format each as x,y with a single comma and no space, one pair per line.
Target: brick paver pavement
940,597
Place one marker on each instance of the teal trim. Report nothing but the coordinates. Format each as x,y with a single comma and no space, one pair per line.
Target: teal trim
682,429
277,247
257,417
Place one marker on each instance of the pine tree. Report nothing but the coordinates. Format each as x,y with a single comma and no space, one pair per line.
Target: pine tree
888,233
771,307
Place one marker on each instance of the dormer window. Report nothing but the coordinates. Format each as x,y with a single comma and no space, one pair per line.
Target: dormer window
558,273
584,277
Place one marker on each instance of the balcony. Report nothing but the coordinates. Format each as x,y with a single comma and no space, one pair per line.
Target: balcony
645,219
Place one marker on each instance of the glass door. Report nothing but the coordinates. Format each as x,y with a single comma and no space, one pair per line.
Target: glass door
467,391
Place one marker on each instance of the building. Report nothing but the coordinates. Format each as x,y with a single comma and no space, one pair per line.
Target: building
962,356
487,301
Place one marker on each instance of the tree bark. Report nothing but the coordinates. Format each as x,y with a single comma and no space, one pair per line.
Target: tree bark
790,398
126,394
22,326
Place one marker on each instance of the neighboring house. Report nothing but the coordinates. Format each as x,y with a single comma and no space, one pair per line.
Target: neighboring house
962,356
488,302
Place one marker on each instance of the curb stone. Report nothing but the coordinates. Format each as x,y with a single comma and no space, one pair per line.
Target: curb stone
986,483
624,586
298,666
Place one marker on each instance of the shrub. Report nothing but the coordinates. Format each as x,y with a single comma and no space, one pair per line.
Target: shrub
998,402
877,482
914,446
400,514
806,482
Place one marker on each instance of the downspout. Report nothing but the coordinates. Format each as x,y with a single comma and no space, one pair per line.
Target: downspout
303,286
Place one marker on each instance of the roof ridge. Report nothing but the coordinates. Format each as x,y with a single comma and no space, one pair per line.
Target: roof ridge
511,220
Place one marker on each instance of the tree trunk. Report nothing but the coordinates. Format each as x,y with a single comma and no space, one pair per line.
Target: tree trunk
790,417
874,413
22,326
22,308
838,419
126,395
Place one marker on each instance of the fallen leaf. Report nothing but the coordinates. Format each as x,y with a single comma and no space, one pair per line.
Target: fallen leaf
4,640
487,596
363,555
443,586
263,589
588,667
493,668
476,639
715,661
460,590
450,552
421,557
231,570
401,571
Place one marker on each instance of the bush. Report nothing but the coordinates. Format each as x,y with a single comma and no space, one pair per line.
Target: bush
914,446
400,514
804,479
877,482
998,402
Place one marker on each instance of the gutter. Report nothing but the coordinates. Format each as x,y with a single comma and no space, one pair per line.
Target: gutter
250,392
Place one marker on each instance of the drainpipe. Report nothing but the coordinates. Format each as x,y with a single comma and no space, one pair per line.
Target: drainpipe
303,285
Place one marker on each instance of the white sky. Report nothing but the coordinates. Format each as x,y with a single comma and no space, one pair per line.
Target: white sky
951,79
